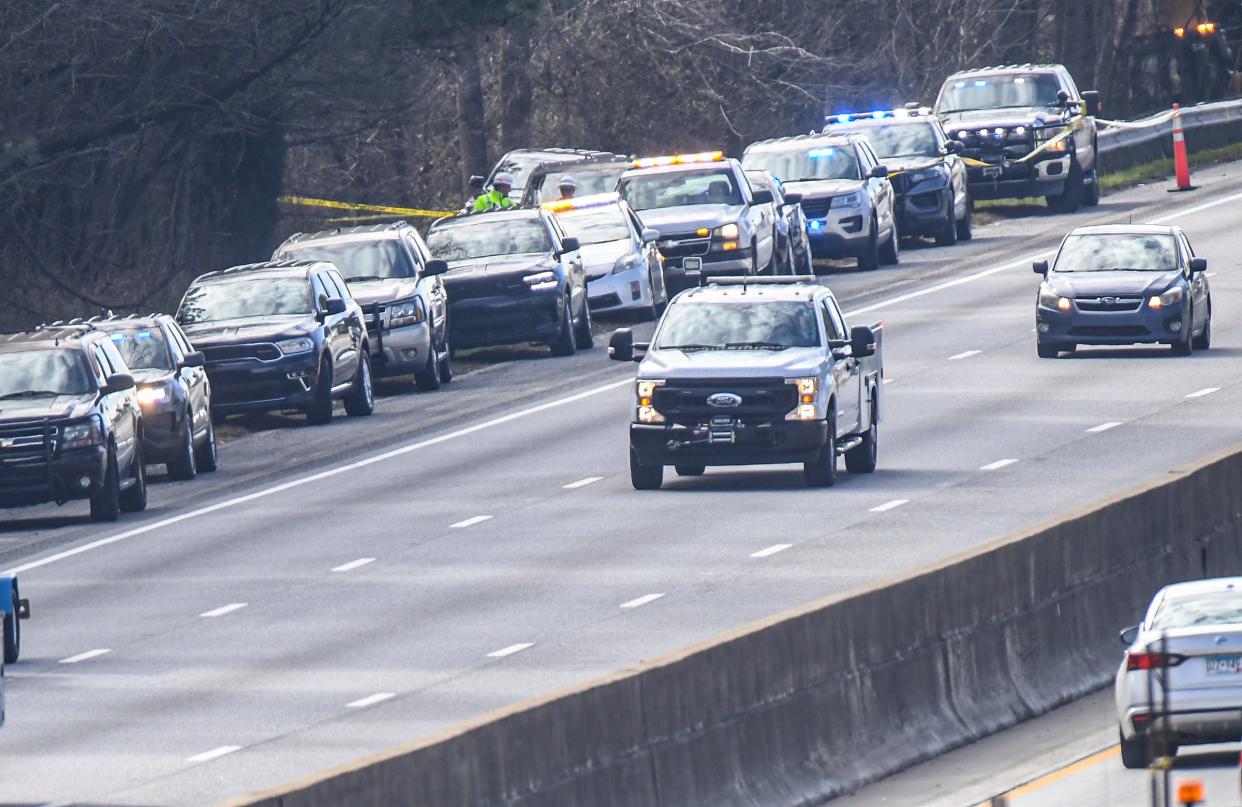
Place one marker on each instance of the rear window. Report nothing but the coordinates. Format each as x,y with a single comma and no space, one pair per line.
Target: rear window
1216,608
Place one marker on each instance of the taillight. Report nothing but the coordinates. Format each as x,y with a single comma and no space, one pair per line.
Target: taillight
1152,661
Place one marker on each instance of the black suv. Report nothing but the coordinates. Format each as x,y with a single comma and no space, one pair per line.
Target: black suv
280,335
1027,131
70,423
173,391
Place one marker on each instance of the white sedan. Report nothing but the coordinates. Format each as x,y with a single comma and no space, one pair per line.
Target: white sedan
623,266
1180,682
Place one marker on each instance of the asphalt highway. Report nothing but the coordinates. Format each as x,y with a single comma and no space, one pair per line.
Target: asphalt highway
334,591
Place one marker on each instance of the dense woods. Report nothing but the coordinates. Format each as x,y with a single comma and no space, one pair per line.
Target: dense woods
145,141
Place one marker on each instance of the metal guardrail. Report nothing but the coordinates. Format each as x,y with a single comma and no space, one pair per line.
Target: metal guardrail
1118,135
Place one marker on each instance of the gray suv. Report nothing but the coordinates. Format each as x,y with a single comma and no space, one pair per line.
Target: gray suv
393,277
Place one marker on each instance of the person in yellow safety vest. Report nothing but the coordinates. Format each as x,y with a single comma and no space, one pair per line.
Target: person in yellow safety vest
568,187
498,197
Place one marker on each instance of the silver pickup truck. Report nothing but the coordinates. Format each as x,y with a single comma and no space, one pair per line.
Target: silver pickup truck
749,371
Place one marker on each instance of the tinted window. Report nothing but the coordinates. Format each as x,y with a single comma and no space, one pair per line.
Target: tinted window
595,225
1216,608
357,260
34,373
591,179
999,92
836,326
902,140
1116,252
180,338
242,299
462,242
804,163
114,357
739,325
142,348
661,190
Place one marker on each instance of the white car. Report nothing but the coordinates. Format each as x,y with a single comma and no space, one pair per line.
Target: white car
623,266
1180,682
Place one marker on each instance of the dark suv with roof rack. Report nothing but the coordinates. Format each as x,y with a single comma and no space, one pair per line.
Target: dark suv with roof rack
280,335
70,423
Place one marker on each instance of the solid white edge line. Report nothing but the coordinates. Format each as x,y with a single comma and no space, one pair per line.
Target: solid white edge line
893,505
315,477
370,700
770,551
638,602
966,354
469,522
511,649
224,609
1203,392
214,753
996,466
89,654
353,564
582,483
1103,427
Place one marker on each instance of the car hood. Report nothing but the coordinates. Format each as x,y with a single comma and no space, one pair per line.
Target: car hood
909,163
62,406
367,292
1023,116
823,187
250,329
499,265
1070,284
687,218
598,259
148,375
741,364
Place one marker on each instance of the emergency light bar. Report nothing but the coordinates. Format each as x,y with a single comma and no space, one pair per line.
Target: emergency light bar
679,159
582,202
879,114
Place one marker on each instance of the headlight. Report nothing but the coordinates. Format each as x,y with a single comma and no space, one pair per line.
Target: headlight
541,281
645,401
1050,299
153,395
1171,297
808,399
81,435
727,231
290,347
405,313
848,200
625,263
926,175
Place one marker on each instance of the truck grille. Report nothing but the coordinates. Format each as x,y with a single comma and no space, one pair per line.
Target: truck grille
816,208
763,399
471,288
1107,303
262,351
26,448
688,245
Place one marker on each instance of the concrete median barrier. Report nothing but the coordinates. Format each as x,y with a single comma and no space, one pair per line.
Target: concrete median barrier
819,700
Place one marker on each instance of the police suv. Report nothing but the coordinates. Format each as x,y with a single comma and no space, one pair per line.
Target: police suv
747,371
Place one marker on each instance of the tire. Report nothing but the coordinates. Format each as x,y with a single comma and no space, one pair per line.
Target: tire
584,335
890,253
361,399
822,473
1204,340
207,456
319,410
134,498
564,344
870,258
645,477
106,504
1046,351
1070,199
965,227
446,365
430,378
12,635
1134,754
947,236
1091,192
755,269
185,466
861,459
652,312
690,470
1184,347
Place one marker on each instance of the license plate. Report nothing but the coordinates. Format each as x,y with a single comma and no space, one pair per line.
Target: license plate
1224,665
692,264
992,172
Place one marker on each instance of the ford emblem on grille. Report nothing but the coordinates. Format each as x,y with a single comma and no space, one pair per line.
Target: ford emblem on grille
1108,300
724,400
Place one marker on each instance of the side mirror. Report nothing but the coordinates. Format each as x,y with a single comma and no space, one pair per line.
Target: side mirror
879,172
195,359
333,306
761,197
477,181
1040,267
570,244
862,341
621,345
954,147
118,382
1198,265
649,235
435,267
793,198
1094,104
1128,635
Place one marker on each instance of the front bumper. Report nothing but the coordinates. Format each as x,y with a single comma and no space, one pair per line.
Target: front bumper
59,480
628,290
501,320
923,212
784,441
398,351
251,385
161,432
735,262
1144,326
1006,180
841,233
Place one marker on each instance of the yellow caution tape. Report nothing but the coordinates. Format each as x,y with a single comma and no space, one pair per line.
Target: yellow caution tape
400,211
1062,135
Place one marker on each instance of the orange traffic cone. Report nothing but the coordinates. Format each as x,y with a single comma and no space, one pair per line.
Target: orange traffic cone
1181,166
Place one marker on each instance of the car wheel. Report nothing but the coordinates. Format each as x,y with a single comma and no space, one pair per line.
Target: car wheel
947,235
564,344
690,470
208,455
12,634
755,269
584,334
185,466
822,473
645,477
1133,752
1046,351
361,400
965,229
1091,191
861,459
890,255
106,505
446,364
870,258
430,378
319,411
1070,199
1204,340
134,498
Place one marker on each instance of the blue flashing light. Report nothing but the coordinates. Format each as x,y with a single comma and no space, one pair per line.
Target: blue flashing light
117,337
844,118
815,225
981,83
879,115
816,154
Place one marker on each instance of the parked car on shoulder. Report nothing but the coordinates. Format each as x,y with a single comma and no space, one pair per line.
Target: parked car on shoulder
592,175
173,391
521,162
283,335
514,276
71,425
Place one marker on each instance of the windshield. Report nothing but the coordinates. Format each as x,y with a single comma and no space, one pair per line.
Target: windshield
660,190
463,242
708,326
999,92
240,299
902,140
357,260
591,180
143,348
519,165
1216,608
801,163
1117,252
36,373
595,225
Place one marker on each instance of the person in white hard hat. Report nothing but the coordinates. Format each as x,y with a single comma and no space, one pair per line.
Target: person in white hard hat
568,187
498,197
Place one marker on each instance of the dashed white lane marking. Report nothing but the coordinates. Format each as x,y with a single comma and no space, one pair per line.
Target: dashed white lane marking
1202,392
770,551
641,601
224,609
893,505
370,700
87,655
996,466
353,564
582,483
470,522
511,649
965,354
215,753
1103,427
